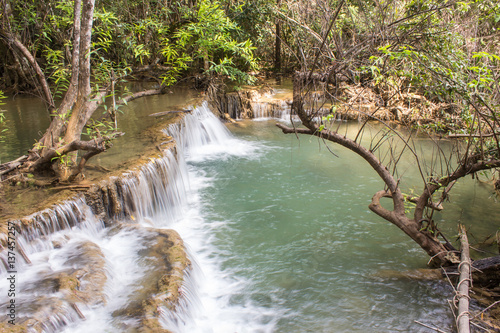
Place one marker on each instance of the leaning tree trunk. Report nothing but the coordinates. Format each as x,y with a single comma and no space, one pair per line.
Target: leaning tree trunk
82,111
428,241
58,123
21,52
62,140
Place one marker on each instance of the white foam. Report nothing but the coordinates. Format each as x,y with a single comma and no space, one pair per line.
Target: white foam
165,194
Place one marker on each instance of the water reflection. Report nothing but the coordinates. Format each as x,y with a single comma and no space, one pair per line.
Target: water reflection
27,119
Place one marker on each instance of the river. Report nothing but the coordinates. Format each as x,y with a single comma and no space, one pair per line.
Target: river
279,234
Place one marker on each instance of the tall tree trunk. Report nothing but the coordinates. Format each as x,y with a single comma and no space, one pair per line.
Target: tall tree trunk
58,121
81,111
81,114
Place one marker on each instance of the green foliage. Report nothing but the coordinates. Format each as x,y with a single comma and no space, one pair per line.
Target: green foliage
63,159
59,73
256,21
97,129
185,37
208,39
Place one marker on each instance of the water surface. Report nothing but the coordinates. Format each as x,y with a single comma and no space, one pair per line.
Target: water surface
279,233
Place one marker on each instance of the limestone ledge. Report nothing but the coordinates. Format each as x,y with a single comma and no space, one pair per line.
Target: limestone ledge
84,286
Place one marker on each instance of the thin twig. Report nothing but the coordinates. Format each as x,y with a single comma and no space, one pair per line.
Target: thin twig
432,328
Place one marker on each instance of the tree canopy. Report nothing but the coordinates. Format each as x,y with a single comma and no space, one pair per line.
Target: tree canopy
73,53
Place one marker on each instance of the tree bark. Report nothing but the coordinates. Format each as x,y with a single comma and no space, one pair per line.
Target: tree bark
81,112
412,227
277,49
463,324
96,145
63,137
58,121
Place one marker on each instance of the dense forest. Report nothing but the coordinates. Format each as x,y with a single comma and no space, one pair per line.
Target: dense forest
426,65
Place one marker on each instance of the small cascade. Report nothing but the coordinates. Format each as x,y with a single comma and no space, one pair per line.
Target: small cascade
185,309
200,135
279,109
253,104
33,233
157,189
84,255
198,129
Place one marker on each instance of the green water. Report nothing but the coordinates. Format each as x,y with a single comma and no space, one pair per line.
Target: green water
294,221
27,119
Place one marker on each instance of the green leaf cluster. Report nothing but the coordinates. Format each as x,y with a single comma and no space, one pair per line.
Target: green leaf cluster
208,40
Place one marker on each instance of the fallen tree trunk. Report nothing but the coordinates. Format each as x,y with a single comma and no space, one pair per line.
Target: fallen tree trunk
463,321
10,166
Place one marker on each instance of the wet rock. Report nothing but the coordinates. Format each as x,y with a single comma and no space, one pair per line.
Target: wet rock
85,284
61,293
161,288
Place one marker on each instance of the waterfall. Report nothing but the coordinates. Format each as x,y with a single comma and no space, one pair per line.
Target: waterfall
201,138
157,189
34,232
278,109
254,104
84,258
95,262
199,128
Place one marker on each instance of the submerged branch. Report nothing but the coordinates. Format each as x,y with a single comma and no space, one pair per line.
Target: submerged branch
159,114
150,92
94,147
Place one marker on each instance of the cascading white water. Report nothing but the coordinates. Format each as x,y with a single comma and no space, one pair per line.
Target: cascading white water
202,137
36,237
278,109
69,239
43,252
158,189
